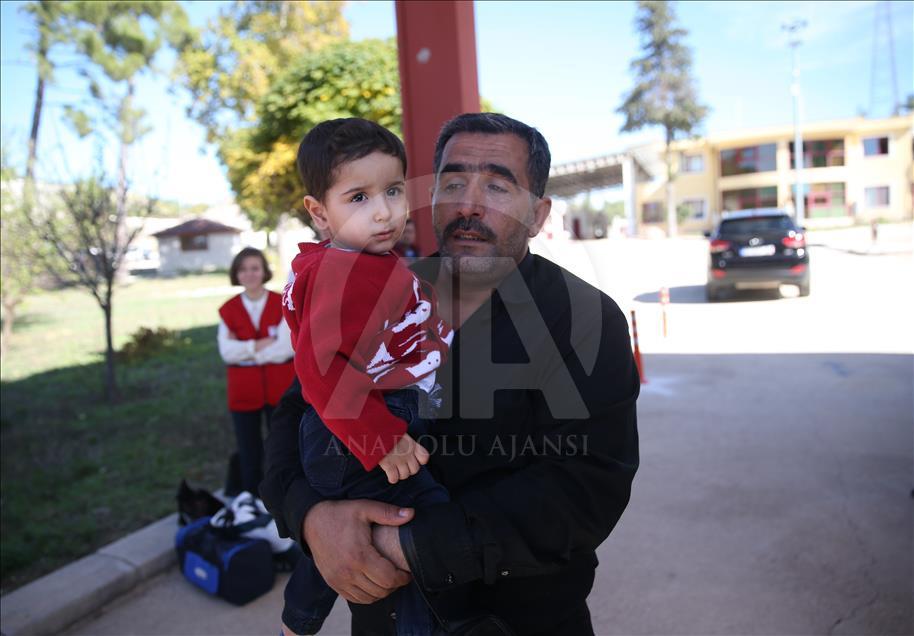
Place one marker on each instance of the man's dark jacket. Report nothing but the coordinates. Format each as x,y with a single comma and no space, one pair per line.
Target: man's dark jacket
537,445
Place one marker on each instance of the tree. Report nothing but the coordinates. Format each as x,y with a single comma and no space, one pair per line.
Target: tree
230,67
86,233
231,64
17,269
46,15
907,106
117,41
613,209
349,79
114,43
664,93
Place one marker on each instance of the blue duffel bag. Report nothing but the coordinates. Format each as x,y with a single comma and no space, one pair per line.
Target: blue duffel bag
224,564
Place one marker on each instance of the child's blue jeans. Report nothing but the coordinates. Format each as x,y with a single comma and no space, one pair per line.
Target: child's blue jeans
335,473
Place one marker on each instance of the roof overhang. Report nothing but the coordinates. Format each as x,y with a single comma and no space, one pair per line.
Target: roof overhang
568,179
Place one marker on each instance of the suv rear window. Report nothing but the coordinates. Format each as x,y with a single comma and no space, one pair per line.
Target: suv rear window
755,224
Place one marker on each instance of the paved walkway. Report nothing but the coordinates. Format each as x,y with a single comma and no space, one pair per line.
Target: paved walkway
168,605
894,238
748,516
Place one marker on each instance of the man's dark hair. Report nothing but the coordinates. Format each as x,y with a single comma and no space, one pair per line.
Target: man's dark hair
538,157
332,143
239,258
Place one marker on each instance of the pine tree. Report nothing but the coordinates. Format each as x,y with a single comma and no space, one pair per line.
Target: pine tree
664,93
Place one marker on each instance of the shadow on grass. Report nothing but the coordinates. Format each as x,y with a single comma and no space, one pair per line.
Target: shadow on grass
30,320
78,472
695,295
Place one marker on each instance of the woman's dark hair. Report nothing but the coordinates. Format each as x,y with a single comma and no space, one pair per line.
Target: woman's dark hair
332,143
239,258
538,155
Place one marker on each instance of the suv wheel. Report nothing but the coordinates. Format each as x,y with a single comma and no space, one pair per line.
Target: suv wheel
712,293
804,289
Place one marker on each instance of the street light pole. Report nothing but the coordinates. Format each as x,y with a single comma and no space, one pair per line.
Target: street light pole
793,28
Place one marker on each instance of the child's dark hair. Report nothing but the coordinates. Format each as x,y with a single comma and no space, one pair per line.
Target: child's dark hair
332,143
239,258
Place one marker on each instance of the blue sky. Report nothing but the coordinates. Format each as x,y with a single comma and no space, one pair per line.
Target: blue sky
559,66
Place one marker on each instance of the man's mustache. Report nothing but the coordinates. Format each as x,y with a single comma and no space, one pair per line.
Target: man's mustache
471,224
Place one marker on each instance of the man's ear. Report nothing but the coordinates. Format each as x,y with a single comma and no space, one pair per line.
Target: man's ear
317,211
541,210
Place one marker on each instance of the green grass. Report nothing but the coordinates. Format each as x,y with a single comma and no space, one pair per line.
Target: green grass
65,328
78,472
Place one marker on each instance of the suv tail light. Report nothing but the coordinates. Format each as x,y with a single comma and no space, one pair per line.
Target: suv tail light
717,245
795,240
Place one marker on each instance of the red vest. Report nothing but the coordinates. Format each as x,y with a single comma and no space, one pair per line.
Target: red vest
250,387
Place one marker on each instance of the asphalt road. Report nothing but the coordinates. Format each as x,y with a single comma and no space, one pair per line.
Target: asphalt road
776,436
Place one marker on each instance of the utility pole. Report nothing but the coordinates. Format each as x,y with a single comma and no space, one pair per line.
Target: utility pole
883,76
793,29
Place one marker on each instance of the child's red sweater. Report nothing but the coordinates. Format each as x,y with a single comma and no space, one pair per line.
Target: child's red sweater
361,324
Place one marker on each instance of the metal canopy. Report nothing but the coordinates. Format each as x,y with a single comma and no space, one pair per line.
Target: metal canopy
569,179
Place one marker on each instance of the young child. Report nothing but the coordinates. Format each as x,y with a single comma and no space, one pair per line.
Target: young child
367,343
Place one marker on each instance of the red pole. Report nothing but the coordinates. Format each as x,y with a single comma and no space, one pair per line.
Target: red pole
436,44
637,349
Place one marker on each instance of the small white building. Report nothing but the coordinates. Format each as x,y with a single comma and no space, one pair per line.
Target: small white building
198,245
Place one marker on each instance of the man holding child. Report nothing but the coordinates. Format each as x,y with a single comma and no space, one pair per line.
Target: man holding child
534,436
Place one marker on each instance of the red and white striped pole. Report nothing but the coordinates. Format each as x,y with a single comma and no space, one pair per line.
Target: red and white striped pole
637,349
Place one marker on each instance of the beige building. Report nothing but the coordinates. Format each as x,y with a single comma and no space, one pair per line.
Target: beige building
855,170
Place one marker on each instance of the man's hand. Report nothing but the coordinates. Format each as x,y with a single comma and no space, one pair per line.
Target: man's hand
339,534
404,460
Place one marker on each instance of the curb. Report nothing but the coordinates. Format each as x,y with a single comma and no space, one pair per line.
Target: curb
869,251
59,599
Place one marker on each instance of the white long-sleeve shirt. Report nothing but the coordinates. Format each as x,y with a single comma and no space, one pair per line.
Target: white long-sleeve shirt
242,351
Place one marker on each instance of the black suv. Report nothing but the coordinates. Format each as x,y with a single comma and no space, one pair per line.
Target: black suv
754,249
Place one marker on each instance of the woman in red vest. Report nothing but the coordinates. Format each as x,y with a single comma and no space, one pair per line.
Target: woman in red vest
255,344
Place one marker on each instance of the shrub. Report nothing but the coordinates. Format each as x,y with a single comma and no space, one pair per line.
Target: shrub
145,343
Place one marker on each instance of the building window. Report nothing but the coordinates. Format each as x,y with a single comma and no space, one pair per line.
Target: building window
694,209
194,242
761,158
875,146
692,163
820,154
877,197
750,198
652,212
824,200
